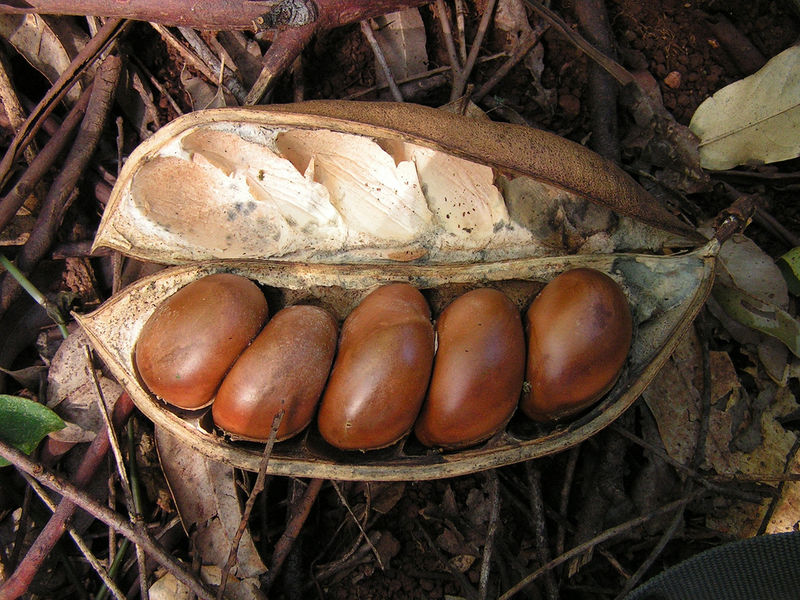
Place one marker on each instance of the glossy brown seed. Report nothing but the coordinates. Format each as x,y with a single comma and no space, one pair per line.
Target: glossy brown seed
382,370
286,367
191,340
477,373
579,333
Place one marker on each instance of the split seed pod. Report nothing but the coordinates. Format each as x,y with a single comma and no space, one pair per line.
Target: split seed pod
194,336
381,372
321,202
477,373
285,368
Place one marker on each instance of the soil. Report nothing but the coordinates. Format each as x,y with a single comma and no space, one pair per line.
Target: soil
432,535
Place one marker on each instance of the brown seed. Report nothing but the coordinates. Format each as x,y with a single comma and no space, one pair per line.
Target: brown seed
579,332
382,370
286,367
477,373
191,340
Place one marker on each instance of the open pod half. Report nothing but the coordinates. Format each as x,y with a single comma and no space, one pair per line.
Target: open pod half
320,203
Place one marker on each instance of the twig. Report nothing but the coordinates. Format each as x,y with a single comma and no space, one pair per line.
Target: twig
229,80
51,212
358,524
56,93
539,527
258,487
460,80
12,106
16,196
133,513
790,457
286,46
447,32
466,587
106,515
19,581
461,14
766,220
190,57
33,292
488,547
523,47
599,539
569,475
284,544
79,542
366,29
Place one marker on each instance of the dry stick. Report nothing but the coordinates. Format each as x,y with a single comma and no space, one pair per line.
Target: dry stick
258,487
366,29
599,539
460,81
157,84
766,220
616,70
699,478
56,93
539,528
359,525
17,584
466,587
488,547
286,46
776,498
447,32
106,515
461,14
79,542
51,212
229,80
190,57
523,47
12,106
16,196
569,476
133,514
284,544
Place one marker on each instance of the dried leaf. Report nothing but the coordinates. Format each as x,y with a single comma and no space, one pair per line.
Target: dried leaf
205,495
40,45
72,394
25,423
754,120
401,36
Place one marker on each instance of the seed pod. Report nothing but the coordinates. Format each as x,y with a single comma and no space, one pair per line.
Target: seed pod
477,373
285,367
382,370
579,334
193,337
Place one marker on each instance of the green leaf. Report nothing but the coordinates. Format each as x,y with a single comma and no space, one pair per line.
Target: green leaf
23,423
789,264
758,314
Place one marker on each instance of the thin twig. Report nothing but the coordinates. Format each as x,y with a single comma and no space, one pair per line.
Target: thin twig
569,475
366,29
539,530
447,32
286,541
79,542
599,539
12,106
16,196
529,40
51,212
190,57
358,524
133,514
461,14
466,587
56,93
33,292
258,487
228,77
488,547
460,81
60,485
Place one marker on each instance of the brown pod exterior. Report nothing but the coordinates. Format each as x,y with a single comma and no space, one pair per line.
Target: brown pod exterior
191,340
579,334
286,367
477,373
381,372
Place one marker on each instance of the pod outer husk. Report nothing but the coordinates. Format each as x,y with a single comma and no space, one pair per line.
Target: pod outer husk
510,150
666,292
